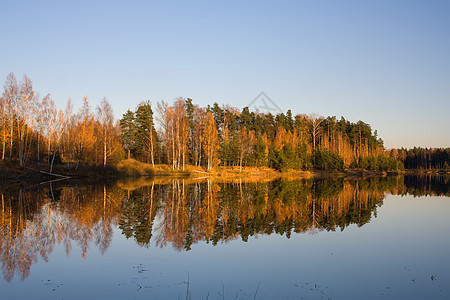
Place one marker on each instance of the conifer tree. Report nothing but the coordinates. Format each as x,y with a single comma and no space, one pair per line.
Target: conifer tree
128,131
145,140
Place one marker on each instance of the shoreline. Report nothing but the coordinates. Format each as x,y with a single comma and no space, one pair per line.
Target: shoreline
11,173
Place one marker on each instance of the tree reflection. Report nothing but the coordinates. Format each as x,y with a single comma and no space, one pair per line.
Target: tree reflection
183,212
32,222
138,213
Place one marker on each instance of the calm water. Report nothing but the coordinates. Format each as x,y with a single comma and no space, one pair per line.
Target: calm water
383,238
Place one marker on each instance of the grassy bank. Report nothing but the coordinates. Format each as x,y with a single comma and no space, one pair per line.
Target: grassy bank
130,168
11,172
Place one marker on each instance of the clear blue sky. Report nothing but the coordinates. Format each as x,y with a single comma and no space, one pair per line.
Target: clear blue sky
386,63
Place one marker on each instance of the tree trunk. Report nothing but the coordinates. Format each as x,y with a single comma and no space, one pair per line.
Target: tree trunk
104,147
151,147
4,145
11,137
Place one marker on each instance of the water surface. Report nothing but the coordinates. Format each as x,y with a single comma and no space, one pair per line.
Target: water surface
380,238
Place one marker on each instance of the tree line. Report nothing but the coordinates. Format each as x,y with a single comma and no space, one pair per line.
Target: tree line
34,130
423,158
225,136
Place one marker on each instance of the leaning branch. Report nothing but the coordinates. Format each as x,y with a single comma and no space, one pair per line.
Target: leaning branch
48,173
195,171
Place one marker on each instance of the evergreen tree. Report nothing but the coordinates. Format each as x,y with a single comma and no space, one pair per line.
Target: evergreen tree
145,141
259,152
128,129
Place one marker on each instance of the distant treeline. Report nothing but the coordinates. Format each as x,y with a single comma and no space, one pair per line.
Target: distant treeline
427,185
423,158
34,130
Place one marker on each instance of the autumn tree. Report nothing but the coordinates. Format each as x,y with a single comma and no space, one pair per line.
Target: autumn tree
175,131
105,117
49,120
60,125
314,123
10,97
84,132
68,143
229,138
164,118
243,145
210,142
181,132
3,126
26,112
197,135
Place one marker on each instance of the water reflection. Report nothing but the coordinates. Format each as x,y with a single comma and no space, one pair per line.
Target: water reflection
183,212
33,221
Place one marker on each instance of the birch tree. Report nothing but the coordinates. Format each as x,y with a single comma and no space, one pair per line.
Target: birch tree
197,135
25,113
10,94
175,130
59,129
181,127
84,132
314,122
3,126
210,142
105,117
49,119
164,119
243,145
68,136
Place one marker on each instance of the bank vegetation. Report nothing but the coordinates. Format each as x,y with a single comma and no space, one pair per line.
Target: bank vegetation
182,138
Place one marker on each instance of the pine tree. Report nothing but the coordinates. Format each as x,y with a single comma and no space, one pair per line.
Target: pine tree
128,130
145,140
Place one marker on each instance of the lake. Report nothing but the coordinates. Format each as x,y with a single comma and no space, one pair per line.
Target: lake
376,238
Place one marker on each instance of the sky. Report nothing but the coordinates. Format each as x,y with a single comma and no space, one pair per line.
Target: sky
386,63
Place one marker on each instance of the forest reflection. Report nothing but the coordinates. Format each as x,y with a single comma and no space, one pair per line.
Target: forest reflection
182,212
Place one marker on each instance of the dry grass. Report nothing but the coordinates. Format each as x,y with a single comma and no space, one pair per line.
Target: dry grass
257,173
134,168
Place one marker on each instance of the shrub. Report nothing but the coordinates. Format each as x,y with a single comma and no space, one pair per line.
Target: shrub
328,160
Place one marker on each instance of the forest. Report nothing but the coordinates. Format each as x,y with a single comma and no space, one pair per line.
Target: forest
34,131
